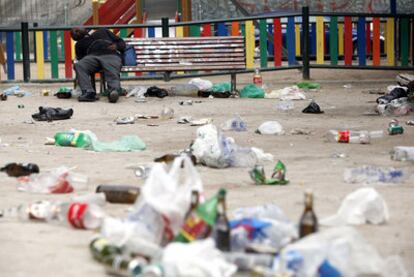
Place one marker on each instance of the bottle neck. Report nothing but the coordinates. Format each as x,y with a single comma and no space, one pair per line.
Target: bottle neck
308,202
221,208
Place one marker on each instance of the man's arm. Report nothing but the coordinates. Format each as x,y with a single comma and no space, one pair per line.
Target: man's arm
119,42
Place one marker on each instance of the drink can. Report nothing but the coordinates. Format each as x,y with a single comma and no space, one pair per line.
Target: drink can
394,128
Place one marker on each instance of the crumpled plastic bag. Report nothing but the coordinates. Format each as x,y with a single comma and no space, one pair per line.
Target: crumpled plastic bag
287,93
169,192
364,205
58,180
263,224
252,91
199,258
215,150
343,247
270,128
202,84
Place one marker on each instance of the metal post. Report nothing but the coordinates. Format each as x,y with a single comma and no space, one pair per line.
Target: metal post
233,83
305,41
165,27
35,24
393,9
25,51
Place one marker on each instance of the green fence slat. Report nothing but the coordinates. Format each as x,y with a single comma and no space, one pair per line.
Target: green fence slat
243,29
62,45
54,58
333,40
123,33
18,45
263,43
405,41
195,30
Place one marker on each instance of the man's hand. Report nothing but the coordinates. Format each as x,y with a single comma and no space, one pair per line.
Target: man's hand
112,47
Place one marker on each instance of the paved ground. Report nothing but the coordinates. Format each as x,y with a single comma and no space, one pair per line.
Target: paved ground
50,250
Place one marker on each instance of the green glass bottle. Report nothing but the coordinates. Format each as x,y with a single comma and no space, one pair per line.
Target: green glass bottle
200,221
102,250
75,139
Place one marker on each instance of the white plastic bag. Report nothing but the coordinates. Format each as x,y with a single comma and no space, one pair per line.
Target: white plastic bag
364,205
199,258
201,84
169,193
270,128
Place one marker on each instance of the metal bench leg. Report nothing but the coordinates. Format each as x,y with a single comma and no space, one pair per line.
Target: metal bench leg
233,84
93,81
102,83
167,76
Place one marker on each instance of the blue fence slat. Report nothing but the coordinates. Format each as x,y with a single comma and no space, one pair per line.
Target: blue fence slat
313,40
10,55
361,41
222,29
45,45
151,34
290,36
269,43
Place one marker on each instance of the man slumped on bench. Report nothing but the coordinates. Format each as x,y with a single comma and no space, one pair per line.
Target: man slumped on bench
101,50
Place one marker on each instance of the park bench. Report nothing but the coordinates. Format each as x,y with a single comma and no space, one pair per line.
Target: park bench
187,54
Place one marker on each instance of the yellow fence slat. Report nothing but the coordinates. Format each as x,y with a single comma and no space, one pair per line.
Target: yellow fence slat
179,33
297,39
249,45
390,41
40,60
319,40
341,39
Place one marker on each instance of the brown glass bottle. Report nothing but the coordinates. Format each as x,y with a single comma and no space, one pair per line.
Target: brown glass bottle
119,194
194,202
308,222
222,227
18,170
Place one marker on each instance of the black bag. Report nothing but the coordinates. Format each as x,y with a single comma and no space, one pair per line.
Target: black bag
129,58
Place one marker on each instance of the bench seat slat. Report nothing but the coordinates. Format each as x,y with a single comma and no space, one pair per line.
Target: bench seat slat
156,47
186,55
193,60
183,67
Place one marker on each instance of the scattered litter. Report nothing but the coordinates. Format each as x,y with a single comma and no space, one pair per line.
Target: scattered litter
234,124
410,122
16,91
372,174
308,85
194,122
397,107
29,121
347,86
339,155
64,93
3,97
45,92
403,79
125,120
187,90
167,113
186,103
270,128
313,107
403,153
351,136
395,93
394,128
156,92
20,106
278,177
138,92
298,131
59,180
203,85
252,91
287,93
213,149
50,114
18,170
88,140
184,120
365,205
143,116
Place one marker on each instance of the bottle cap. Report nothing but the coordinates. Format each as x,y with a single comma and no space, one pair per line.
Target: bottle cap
222,192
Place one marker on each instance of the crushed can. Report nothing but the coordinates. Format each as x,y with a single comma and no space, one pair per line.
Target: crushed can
394,128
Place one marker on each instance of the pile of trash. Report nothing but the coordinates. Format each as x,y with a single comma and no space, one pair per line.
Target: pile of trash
399,100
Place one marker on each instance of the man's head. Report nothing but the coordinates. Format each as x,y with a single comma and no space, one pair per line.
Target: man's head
78,33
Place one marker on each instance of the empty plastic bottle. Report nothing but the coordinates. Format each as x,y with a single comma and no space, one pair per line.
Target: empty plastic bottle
285,105
403,153
246,261
76,139
78,215
348,136
373,174
235,124
257,78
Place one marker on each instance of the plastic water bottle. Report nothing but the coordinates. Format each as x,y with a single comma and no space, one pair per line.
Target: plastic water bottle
76,139
348,136
76,214
371,174
257,78
235,124
403,153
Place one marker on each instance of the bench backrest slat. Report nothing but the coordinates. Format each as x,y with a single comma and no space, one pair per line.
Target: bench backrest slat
189,53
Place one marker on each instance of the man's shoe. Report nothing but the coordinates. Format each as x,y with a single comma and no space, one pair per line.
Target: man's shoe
113,96
89,96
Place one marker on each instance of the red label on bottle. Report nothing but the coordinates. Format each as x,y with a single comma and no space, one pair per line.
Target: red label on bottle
75,215
194,228
343,136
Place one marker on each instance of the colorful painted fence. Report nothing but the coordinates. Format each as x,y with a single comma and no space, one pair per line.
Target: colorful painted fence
353,41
